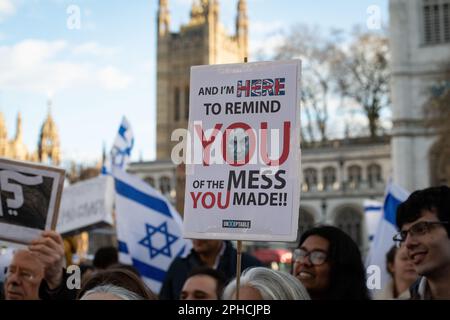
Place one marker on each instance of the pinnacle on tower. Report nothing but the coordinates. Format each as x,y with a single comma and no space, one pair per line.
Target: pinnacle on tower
242,19
242,27
163,18
19,127
197,13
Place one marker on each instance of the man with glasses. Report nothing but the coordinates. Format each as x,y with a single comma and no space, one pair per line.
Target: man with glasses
424,224
38,272
23,277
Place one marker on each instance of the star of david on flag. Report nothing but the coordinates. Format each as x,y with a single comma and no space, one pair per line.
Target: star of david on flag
169,239
149,229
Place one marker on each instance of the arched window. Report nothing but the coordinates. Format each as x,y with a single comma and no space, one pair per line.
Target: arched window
374,175
186,103
354,176
349,220
165,185
150,181
310,178
177,104
329,178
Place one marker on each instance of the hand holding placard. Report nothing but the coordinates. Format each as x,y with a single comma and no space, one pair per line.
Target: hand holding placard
49,249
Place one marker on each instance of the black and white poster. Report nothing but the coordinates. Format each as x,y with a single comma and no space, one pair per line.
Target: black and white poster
30,196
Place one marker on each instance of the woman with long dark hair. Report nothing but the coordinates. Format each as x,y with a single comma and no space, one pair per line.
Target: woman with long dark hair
329,264
115,284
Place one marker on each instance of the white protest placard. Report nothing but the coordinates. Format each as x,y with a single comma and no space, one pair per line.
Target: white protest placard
86,204
243,155
30,196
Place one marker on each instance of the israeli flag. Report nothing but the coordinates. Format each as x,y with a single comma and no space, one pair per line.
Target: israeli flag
372,212
149,229
121,150
386,230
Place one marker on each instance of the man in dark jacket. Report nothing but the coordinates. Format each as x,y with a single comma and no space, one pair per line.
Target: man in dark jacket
216,254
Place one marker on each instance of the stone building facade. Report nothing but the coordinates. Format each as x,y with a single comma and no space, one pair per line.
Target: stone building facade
420,48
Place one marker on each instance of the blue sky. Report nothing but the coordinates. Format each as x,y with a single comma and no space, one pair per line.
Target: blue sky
106,69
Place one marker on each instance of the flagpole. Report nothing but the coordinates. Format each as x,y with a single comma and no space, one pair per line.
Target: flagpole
239,252
238,268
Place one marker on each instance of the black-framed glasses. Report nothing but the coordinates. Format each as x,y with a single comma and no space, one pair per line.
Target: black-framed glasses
417,229
317,257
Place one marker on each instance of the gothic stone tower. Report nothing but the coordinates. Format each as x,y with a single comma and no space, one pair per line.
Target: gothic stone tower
202,41
48,150
420,47
3,136
48,146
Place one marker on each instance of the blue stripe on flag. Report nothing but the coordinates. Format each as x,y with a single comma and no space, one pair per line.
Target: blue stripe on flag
372,208
390,208
123,247
149,271
122,131
146,200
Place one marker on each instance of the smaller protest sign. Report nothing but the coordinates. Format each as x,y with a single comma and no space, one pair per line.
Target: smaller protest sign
86,204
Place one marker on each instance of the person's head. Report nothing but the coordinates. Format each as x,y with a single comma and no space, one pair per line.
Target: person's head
126,267
424,224
87,271
390,257
86,268
105,257
329,264
206,247
23,277
261,283
400,266
102,285
110,292
203,284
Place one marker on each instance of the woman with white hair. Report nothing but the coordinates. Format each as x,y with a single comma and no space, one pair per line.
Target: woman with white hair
110,292
266,284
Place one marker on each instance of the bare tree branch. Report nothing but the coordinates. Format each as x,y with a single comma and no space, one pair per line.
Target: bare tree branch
317,52
363,75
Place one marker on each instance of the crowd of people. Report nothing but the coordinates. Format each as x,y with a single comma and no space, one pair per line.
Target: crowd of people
327,265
